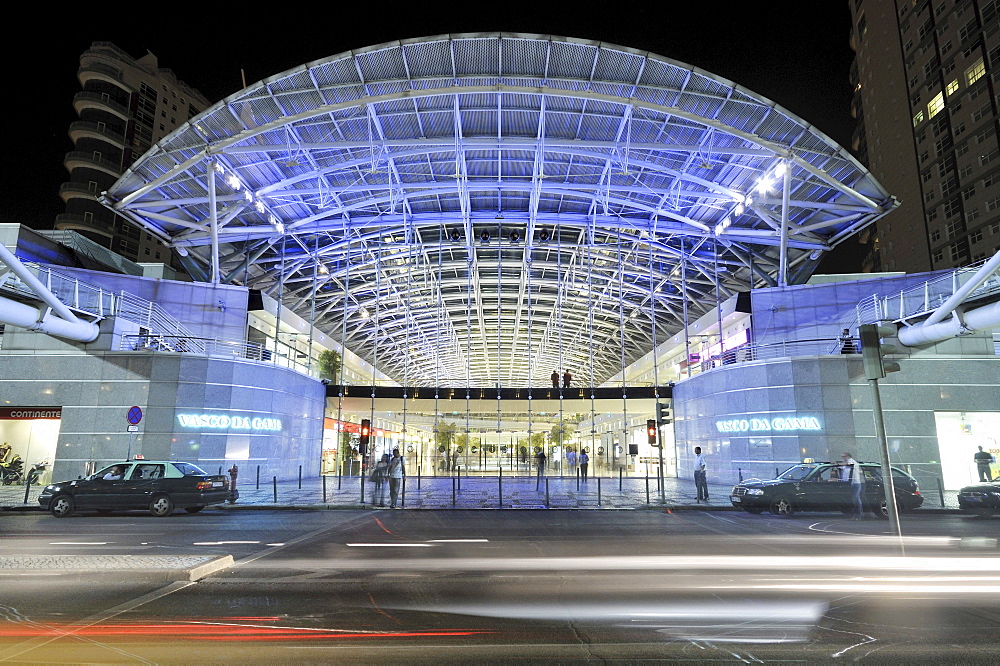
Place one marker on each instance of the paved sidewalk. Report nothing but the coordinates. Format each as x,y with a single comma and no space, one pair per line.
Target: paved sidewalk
472,492
167,568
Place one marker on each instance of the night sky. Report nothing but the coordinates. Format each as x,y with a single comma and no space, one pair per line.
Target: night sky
798,58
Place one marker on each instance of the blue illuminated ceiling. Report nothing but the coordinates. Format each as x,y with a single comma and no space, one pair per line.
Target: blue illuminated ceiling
642,191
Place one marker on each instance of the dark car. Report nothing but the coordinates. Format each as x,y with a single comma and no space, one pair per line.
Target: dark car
823,487
982,499
154,485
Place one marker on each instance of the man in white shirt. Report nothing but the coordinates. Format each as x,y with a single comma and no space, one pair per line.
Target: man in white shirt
700,482
857,485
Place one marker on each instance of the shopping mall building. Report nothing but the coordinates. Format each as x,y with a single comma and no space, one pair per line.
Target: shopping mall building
465,221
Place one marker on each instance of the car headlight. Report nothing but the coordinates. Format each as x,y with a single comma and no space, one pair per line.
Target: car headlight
754,491
48,488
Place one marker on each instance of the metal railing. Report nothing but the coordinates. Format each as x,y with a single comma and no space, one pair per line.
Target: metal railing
925,298
189,344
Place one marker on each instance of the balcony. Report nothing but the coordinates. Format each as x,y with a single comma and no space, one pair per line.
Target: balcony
69,191
92,100
78,158
84,128
92,70
92,225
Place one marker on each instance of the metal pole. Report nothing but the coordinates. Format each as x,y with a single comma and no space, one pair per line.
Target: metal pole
258,477
546,492
598,491
500,485
887,483
300,477
324,489
940,490
274,481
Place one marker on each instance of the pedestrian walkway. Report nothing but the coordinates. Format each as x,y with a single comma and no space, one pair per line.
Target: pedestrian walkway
474,492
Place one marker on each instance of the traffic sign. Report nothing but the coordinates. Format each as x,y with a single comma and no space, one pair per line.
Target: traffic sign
134,415
133,428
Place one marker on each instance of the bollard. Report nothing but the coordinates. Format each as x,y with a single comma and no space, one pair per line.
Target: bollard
300,477
546,492
578,472
621,473
419,467
27,489
220,470
458,473
500,486
598,491
453,491
402,498
324,489
258,477
647,489
741,474
362,488
940,490
776,472
274,480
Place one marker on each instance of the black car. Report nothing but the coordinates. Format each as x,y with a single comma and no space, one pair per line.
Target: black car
823,487
982,499
157,486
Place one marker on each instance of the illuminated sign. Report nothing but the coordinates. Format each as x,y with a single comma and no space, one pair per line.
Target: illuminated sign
781,423
226,422
733,341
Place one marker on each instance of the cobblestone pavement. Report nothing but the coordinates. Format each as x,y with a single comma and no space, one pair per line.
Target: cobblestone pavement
472,492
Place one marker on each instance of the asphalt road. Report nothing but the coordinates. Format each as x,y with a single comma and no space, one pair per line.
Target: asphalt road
492,586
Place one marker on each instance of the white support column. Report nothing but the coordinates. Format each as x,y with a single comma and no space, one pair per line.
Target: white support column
213,218
786,181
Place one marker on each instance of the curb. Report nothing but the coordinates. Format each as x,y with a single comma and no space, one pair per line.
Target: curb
166,568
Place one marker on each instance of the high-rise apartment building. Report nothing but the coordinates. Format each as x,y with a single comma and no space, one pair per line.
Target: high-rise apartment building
126,106
926,77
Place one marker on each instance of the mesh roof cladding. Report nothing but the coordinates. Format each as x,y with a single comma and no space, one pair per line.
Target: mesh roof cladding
350,175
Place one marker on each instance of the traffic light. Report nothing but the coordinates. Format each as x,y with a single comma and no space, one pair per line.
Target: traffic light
651,431
666,412
366,433
872,349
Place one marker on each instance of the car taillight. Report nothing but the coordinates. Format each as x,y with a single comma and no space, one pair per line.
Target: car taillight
204,485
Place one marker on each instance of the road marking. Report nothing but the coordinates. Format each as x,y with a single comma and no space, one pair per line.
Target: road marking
79,543
388,545
459,540
219,543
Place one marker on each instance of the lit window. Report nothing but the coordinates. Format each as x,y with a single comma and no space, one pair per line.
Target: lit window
952,87
975,72
936,105
919,118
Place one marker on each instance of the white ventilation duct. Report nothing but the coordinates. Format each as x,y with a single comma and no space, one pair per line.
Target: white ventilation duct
55,319
980,319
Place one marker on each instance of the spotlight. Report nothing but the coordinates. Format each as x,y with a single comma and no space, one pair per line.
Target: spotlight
515,236
455,235
544,235
485,236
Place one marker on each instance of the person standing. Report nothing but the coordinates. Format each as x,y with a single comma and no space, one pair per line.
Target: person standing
378,478
857,486
584,463
571,461
540,462
847,342
396,473
983,460
700,480
555,379
567,378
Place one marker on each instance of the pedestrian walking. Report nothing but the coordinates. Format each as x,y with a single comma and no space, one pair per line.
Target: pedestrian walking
555,379
571,461
380,475
983,460
567,378
700,480
584,463
540,462
857,486
847,342
397,470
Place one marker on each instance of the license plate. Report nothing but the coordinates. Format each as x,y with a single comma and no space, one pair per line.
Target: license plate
217,484
734,498
974,499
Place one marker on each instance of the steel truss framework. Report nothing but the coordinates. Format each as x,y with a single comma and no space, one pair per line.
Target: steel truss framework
622,194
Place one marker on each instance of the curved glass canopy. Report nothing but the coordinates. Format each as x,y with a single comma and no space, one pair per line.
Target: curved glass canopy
481,209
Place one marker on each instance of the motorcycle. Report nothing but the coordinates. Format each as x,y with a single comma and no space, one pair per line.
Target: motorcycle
12,471
36,471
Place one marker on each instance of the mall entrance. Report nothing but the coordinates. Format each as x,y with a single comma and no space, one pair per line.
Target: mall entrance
454,431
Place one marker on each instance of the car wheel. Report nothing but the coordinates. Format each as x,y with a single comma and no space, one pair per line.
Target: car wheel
782,507
883,510
194,509
62,506
161,506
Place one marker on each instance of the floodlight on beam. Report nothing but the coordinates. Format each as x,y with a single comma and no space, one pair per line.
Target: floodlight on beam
484,236
456,236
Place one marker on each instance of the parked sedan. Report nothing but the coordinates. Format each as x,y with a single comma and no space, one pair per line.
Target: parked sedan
153,485
823,487
982,499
